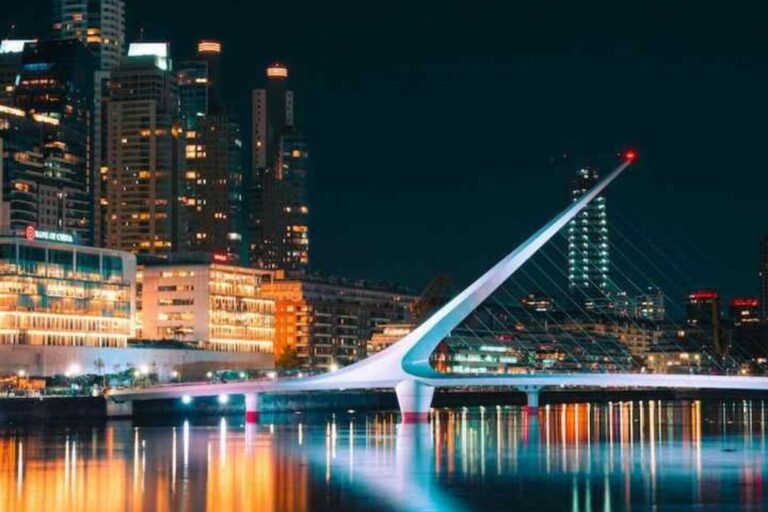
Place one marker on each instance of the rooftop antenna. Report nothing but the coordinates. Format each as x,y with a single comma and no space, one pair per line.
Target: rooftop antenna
11,31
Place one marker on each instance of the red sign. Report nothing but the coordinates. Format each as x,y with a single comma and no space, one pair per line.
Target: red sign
29,233
703,295
744,302
219,257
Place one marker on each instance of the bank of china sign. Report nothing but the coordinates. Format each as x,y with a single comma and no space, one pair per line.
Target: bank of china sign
30,233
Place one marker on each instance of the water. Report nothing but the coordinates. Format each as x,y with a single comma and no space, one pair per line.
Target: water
578,457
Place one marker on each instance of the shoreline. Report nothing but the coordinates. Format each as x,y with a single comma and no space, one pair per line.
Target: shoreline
93,409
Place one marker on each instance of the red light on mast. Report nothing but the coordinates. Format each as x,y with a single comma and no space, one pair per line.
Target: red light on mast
630,155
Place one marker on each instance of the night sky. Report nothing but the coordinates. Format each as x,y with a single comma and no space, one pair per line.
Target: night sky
436,128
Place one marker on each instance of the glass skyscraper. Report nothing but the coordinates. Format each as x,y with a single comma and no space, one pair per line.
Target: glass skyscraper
278,216
588,247
212,194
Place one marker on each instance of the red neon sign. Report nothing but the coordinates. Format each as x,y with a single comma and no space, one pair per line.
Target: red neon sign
703,295
744,302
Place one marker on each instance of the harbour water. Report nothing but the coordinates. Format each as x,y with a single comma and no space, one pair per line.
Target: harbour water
650,455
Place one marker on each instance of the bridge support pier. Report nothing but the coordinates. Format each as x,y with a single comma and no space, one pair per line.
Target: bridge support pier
252,408
532,396
415,399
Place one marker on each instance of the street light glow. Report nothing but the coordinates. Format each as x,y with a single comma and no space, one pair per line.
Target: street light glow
73,370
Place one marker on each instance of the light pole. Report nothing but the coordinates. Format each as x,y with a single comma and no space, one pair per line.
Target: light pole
21,374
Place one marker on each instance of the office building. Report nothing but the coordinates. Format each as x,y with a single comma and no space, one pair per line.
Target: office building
100,26
328,322
745,311
703,316
278,227
285,242
538,303
650,306
198,299
11,51
703,308
55,87
56,293
495,340
39,176
145,159
212,187
588,247
763,277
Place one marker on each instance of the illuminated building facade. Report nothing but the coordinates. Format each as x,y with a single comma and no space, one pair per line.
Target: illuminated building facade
703,307
703,314
763,276
144,154
11,51
538,303
198,299
650,306
30,196
55,86
745,311
278,215
60,294
212,187
100,26
285,244
328,322
588,248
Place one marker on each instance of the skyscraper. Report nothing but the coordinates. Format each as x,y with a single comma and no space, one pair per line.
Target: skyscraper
55,85
212,186
762,273
279,210
144,157
100,25
588,249
11,51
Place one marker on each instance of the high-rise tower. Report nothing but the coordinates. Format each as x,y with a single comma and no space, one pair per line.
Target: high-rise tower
55,85
212,194
762,273
279,211
588,248
144,159
100,26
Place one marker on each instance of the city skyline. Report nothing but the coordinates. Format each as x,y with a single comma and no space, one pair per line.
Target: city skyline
365,170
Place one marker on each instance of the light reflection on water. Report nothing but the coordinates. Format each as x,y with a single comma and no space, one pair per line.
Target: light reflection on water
579,457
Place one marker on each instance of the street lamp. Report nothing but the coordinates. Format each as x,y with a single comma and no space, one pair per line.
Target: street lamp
20,375
72,370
